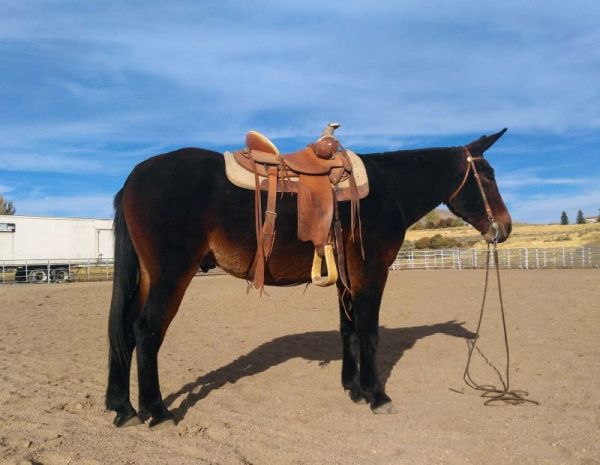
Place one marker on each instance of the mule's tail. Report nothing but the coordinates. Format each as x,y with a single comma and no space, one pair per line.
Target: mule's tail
125,281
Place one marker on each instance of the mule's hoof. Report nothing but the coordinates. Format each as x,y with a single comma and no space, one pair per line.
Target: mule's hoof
157,425
385,409
123,421
356,396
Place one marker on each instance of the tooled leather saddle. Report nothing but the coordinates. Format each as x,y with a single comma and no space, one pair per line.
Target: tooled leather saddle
321,174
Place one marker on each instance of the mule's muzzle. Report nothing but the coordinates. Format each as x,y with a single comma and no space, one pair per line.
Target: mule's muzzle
497,232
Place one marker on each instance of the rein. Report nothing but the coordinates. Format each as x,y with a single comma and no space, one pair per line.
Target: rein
492,393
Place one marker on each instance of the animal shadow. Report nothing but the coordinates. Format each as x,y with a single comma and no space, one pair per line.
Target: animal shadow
320,346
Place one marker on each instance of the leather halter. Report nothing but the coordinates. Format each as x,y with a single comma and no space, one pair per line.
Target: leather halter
471,166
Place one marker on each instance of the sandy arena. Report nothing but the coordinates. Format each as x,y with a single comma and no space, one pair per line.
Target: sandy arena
262,386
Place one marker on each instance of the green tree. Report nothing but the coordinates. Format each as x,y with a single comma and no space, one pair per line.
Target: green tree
580,218
564,219
6,206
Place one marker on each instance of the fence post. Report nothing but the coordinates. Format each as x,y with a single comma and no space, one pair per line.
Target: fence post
571,255
545,262
87,272
526,258
48,276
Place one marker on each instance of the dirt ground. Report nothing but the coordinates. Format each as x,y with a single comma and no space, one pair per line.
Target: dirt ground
253,384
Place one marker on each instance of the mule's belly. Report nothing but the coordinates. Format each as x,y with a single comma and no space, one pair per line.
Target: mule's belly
290,261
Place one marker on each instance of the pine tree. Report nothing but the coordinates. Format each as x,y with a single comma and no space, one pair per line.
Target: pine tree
6,206
580,217
564,219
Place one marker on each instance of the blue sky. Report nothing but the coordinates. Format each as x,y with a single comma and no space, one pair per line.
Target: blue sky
88,89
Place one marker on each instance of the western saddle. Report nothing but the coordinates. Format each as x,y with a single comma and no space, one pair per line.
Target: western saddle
315,174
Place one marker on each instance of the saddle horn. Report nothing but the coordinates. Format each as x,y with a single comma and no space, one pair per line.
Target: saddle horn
329,129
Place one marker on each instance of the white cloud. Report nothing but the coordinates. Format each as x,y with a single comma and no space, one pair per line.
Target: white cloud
522,180
392,68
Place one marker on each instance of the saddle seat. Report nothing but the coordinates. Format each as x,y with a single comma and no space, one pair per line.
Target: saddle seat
305,161
315,173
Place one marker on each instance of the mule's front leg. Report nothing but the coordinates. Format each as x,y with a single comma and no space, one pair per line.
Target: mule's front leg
366,303
350,347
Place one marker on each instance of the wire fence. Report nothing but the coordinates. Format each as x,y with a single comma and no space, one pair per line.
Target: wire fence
95,269
522,258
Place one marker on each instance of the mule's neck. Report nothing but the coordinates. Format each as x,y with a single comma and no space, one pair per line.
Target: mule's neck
420,180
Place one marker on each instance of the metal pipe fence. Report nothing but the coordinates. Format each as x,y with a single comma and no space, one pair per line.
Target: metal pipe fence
55,270
521,258
100,269
61,270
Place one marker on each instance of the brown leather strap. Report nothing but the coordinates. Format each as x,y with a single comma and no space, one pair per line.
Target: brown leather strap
268,229
339,246
486,203
471,166
493,393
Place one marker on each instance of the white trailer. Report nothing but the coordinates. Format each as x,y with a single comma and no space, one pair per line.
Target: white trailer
42,248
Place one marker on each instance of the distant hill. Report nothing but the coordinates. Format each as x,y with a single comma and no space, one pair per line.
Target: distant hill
523,235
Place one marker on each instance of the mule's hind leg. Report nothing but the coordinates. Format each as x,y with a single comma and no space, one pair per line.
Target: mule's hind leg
117,392
350,346
149,329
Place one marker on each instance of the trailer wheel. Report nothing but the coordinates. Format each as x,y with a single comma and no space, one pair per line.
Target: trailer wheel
37,276
59,275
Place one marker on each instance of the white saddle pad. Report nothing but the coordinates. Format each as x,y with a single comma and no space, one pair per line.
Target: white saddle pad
243,178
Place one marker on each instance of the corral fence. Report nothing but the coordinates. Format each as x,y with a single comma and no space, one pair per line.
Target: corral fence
521,258
96,269
59,271
55,270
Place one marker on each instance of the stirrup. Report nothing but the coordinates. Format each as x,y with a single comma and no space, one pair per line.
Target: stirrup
332,272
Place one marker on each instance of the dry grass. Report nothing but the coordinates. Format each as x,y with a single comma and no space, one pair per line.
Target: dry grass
524,235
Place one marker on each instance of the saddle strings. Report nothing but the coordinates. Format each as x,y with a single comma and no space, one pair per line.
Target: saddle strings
493,393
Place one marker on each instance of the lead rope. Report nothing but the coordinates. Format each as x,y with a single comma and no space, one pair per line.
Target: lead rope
493,393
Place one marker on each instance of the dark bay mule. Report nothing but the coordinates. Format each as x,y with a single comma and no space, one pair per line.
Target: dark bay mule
178,212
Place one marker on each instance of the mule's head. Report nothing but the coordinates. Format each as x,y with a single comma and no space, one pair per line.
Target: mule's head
468,202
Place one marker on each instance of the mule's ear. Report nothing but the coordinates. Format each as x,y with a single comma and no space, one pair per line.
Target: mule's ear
485,142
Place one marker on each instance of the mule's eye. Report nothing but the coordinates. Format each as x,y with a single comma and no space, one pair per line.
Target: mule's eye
489,173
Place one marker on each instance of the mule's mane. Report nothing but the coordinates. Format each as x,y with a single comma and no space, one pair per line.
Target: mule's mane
412,152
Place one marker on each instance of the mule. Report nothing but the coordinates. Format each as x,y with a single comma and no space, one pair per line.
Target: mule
177,212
